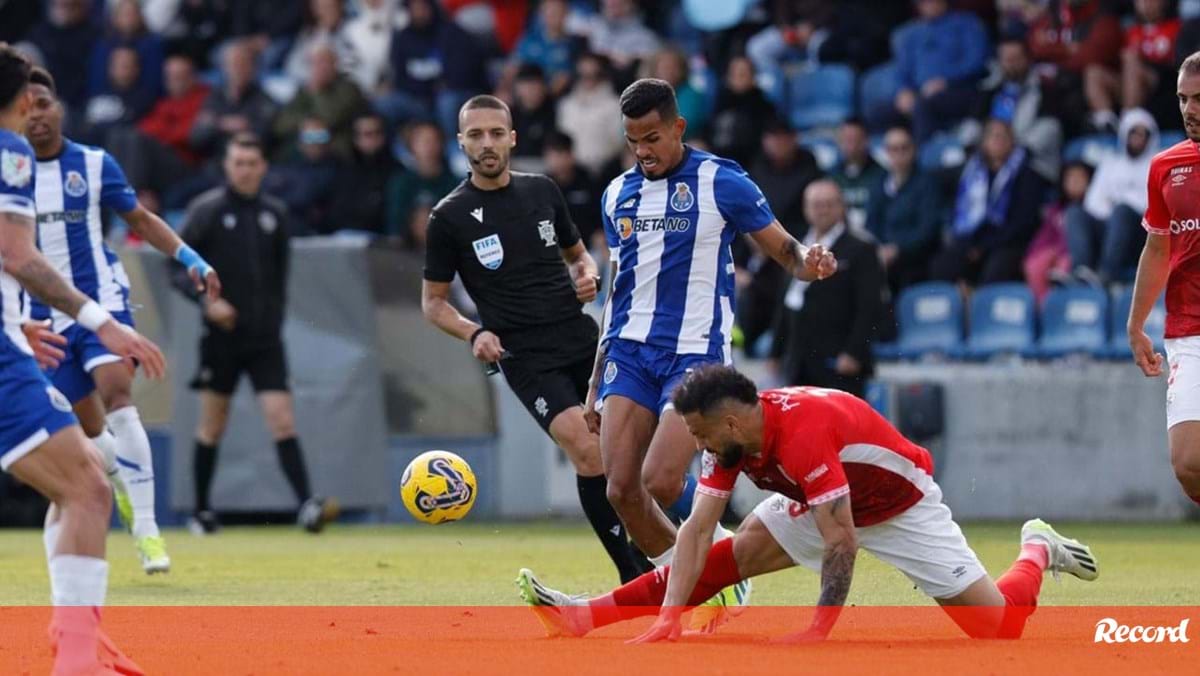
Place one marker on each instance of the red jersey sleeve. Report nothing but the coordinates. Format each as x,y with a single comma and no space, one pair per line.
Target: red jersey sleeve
821,475
716,480
1157,220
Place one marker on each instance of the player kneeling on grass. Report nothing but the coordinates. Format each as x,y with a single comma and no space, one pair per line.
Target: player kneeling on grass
845,478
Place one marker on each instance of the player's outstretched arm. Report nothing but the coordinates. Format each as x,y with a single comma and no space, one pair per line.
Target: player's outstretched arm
155,230
26,264
836,523
806,263
691,551
1153,268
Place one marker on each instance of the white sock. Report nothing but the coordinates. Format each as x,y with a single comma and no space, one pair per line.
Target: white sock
664,559
78,580
137,470
107,444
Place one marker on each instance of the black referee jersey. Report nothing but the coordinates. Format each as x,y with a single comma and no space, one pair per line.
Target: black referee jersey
505,244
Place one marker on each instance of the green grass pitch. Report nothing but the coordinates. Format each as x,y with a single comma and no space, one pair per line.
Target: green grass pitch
475,563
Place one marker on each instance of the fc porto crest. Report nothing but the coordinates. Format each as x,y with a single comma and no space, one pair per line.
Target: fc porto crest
74,184
682,199
489,251
546,232
16,169
610,373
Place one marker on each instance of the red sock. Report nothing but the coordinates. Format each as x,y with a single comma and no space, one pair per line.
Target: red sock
644,595
1020,587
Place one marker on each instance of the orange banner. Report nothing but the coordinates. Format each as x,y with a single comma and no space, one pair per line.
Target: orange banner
509,640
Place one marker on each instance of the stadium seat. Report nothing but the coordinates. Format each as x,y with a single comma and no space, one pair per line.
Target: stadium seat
930,318
1074,320
1118,341
1090,149
1002,321
943,151
820,97
877,94
773,84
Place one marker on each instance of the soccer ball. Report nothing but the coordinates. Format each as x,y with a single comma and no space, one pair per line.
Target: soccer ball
438,486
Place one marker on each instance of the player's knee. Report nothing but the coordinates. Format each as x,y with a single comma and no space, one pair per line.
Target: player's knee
92,428
623,491
88,489
665,487
583,448
282,425
116,397
1187,470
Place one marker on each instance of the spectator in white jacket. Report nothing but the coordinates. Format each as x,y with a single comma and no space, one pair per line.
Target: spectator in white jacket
590,114
1104,234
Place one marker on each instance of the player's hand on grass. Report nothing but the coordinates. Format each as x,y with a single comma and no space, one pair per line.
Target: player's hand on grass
1149,361
220,312
44,342
819,263
487,347
125,342
665,628
590,415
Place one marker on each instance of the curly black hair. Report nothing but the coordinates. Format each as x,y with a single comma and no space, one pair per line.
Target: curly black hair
706,387
649,94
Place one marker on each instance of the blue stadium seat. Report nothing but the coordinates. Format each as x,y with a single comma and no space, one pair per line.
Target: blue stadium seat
1074,320
1002,321
877,94
1090,149
773,84
930,318
1118,342
820,97
942,151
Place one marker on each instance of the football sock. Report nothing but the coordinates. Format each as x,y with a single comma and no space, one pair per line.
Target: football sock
1020,586
77,588
50,536
293,467
136,468
204,464
107,444
682,507
593,497
645,595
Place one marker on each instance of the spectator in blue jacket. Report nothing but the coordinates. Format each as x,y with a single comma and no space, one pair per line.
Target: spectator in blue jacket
940,57
904,213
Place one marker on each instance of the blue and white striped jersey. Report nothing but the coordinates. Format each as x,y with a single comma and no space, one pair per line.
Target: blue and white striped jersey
16,197
671,237
72,190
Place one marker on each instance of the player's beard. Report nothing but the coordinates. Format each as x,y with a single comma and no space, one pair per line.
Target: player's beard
730,455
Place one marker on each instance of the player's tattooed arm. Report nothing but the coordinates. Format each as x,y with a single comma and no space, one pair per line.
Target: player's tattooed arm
807,263
25,263
836,522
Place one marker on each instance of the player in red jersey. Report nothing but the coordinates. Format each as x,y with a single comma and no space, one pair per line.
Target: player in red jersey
844,479
1170,259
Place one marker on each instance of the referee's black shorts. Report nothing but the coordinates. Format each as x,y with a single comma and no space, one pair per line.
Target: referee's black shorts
547,392
224,358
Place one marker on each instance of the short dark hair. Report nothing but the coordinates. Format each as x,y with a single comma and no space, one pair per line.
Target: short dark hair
709,386
531,71
853,121
14,74
556,140
485,101
1190,65
649,94
900,126
41,76
245,140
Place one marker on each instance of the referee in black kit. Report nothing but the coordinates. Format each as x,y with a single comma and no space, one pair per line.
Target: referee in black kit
247,231
508,234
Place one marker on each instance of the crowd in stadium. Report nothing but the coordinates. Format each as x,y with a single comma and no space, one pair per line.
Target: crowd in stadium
974,141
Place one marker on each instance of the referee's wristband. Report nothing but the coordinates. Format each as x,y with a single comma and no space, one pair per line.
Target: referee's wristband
475,335
91,316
